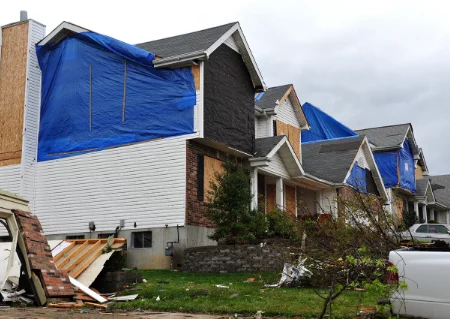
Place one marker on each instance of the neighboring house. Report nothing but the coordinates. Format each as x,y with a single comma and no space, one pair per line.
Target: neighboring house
428,205
129,136
402,163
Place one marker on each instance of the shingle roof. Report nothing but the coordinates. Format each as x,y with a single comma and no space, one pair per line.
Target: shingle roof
386,136
330,160
441,188
271,95
186,43
264,145
421,186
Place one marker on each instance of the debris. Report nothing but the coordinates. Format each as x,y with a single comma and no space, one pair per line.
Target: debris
221,286
144,280
124,298
84,311
83,297
15,296
259,314
96,305
292,276
87,291
234,295
158,299
65,305
250,279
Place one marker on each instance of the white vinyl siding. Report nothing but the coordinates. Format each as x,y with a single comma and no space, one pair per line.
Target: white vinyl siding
362,159
143,183
232,44
286,114
276,167
10,178
31,115
263,127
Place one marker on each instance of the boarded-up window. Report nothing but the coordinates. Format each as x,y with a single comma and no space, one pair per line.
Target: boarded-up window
292,133
271,197
207,174
290,199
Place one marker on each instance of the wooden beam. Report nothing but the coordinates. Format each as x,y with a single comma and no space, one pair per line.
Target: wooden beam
286,94
72,255
74,273
64,251
80,258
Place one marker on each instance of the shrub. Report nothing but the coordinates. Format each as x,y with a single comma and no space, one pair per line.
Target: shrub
282,224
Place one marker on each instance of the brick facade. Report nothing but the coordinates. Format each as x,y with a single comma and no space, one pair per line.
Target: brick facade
55,282
195,208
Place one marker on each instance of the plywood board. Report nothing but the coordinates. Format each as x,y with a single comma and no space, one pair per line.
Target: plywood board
12,91
290,200
271,198
196,73
419,173
211,167
292,133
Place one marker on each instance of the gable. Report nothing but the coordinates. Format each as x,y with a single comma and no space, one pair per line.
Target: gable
285,113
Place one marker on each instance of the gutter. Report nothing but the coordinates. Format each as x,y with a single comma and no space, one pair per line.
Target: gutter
180,59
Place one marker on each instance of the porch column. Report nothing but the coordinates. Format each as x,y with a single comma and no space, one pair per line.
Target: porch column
280,194
254,188
432,214
424,213
416,210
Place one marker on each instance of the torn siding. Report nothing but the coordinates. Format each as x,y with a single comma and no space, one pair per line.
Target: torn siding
142,183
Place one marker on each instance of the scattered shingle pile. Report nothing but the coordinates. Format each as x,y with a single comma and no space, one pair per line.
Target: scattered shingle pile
55,282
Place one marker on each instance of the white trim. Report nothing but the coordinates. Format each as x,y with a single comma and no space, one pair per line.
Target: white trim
283,141
277,147
202,99
222,39
63,26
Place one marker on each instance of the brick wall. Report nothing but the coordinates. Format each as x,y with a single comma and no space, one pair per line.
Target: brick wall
195,208
239,258
349,194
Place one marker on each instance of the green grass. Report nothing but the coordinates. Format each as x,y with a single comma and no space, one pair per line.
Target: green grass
183,292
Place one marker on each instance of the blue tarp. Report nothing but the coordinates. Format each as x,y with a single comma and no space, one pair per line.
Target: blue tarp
357,178
131,101
393,162
407,171
323,126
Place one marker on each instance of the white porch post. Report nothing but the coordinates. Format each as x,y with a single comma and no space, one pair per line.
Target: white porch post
432,214
416,210
280,193
254,188
424,213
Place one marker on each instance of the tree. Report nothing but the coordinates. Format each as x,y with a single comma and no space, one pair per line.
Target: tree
350,249
229,207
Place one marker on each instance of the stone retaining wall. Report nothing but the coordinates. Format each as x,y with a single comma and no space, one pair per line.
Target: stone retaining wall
239,258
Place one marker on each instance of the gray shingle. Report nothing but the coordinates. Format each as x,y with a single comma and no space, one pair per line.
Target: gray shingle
186,43
330,160
386,136
264,145
441,188
421,186
271,95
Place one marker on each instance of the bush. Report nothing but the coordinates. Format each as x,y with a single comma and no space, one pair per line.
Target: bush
282,224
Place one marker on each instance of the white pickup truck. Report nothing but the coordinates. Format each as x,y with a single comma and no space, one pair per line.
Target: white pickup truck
427,274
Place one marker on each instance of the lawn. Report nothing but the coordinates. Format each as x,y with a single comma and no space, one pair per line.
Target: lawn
189,292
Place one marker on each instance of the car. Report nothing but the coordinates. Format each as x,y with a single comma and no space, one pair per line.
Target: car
428,232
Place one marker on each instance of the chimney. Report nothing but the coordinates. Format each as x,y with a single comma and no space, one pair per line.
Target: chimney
23,15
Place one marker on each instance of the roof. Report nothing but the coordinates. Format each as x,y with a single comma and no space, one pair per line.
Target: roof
386,136
186,43
421,186
264,145
440,185
269,98
330,160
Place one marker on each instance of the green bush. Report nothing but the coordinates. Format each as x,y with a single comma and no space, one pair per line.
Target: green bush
282,224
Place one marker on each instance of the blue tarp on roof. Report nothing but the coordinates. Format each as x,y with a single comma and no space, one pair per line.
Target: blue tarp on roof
323,126
358,178
391,163
98,92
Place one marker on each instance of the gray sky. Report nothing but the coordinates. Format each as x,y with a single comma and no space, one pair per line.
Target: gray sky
365,63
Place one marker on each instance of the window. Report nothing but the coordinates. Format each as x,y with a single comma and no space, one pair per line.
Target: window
103,236
274,128
142,239
75,237
422,229
437,229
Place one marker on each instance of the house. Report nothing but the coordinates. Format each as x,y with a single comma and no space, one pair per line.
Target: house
103,154
299,177
402,164
440,186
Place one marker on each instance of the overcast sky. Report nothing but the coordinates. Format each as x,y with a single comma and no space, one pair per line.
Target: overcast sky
365,63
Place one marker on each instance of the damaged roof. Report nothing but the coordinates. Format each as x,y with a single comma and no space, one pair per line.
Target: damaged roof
264,145
440,185
186,43
269,98
330,160
386,136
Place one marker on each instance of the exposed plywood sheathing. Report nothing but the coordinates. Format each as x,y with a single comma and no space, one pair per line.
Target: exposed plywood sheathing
399,206
13,65
290,200
211,167
271,197
196,74
80,254
419,173
292,133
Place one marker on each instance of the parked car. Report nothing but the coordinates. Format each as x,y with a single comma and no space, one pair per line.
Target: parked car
425,271
428,232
